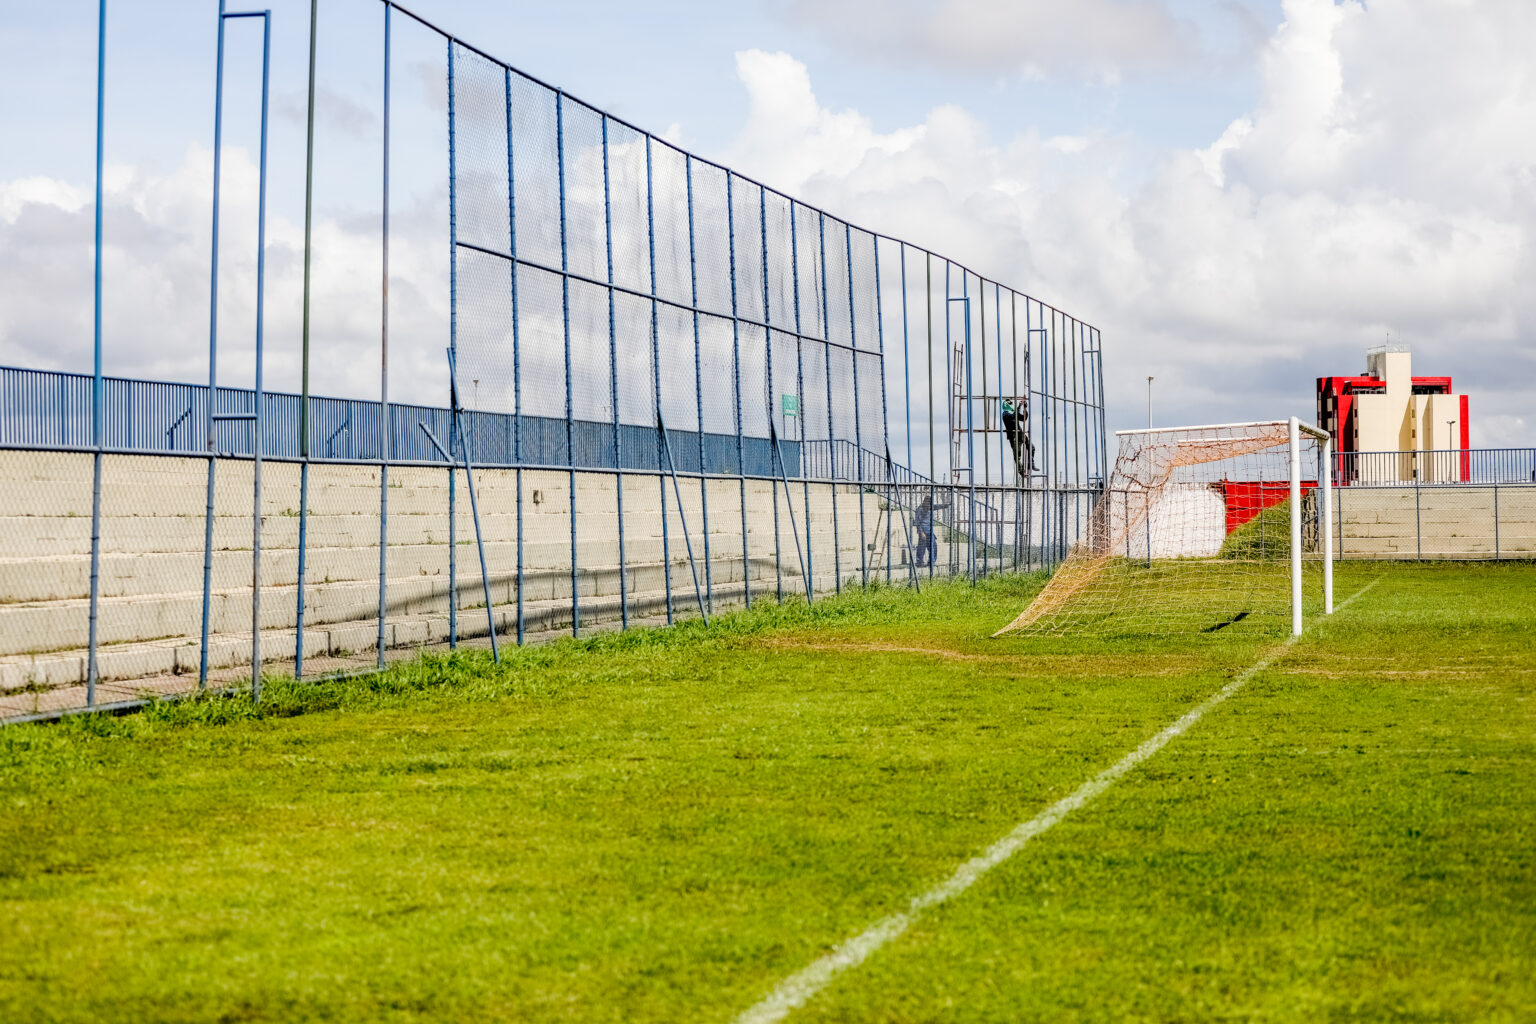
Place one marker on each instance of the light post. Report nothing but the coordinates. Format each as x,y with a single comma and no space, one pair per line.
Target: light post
1149,403
1451,442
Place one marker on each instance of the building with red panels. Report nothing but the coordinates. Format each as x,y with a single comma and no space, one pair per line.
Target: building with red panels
1389,425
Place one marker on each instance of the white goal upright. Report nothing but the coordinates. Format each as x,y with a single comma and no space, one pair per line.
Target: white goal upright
1200,529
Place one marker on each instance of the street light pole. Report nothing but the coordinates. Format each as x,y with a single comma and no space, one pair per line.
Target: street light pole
1149,403
1451,442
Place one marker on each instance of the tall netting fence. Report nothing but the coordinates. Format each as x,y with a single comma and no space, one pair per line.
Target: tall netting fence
617,384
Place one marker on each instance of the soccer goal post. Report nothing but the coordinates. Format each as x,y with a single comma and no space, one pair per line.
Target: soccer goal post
1200,529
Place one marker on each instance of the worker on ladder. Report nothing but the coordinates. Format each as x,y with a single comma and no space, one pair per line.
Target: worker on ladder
1015,420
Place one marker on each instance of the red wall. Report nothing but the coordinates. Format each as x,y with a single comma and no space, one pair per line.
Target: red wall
1247,498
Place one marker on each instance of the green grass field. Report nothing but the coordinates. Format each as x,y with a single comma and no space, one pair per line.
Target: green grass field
664,825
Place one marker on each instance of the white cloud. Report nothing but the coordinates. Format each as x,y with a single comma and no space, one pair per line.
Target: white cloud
787,127
1386,179
1213,157
43,191
987,37
156,283
334,112
1067,143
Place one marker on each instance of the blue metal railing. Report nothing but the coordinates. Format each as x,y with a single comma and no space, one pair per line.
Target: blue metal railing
51,409
1441,467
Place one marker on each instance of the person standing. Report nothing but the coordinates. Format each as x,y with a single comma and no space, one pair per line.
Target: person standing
927,540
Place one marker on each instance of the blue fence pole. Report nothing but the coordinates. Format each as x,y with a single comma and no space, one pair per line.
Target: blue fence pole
1048,427
565,318
950,422
1043,416
983,394
309,197
517,356
1098,346
1018,477
741,464
453,343
906,361
698,392
474,505
778,573
799,387
1053,412
650,234
933,458
885,419
1058,431
386,427
1004,448
98,410
858,429
773,485
1034,425
213,354
259,423
1082,423
826,354
613,381
970,423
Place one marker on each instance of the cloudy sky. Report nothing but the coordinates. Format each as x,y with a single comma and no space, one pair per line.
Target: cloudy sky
1241,194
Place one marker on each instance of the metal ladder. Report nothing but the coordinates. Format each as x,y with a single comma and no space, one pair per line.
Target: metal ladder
957,416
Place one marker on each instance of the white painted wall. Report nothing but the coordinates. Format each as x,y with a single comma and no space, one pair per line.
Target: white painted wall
1187,521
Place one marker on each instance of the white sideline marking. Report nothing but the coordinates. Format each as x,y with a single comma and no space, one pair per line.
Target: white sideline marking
799,987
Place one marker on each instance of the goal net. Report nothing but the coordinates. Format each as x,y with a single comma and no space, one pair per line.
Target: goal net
1199,529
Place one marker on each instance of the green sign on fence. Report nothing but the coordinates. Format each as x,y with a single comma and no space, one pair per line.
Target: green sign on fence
791,405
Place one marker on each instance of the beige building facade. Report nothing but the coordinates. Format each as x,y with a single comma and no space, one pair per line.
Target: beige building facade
1391,426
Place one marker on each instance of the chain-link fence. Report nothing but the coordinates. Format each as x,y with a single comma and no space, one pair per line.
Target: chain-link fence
1436,521
661,389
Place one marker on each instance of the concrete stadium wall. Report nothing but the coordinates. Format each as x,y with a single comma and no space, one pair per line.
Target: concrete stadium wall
152,557
1443,521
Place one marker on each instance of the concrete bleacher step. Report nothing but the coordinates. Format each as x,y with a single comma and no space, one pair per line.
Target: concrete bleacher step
62,578
176,656
152,551
35,627
149,569
143,661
